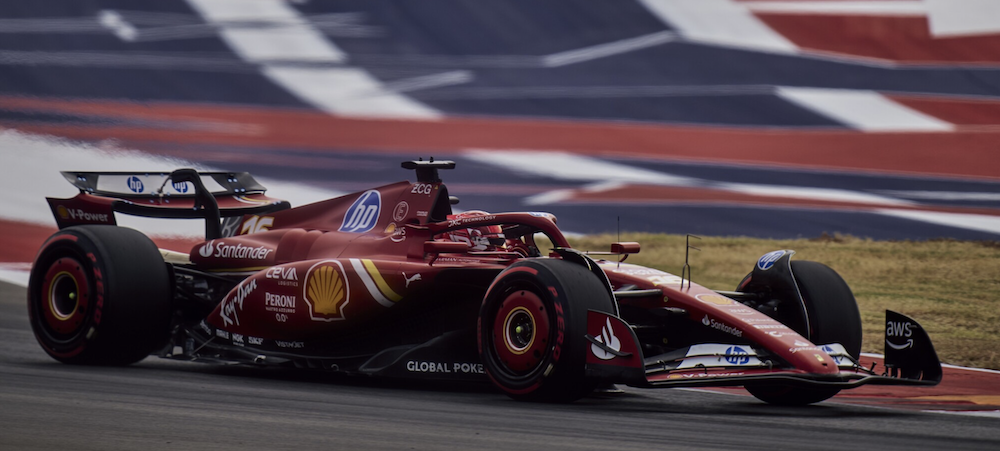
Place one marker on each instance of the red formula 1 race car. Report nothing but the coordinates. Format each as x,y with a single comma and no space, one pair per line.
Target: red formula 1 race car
389,282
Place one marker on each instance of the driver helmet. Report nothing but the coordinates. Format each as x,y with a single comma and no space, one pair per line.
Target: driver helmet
484,238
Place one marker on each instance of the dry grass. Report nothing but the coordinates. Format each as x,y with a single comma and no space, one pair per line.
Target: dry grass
951,287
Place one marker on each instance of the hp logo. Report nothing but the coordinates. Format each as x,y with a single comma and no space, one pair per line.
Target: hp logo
135,184
736,355
363,214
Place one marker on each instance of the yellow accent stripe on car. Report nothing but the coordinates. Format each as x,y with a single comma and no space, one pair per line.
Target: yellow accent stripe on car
366,279
382,285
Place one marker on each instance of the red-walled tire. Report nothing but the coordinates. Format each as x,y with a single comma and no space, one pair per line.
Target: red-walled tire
99,295
532,325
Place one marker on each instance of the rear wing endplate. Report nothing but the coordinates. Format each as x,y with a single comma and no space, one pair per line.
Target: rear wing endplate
183,193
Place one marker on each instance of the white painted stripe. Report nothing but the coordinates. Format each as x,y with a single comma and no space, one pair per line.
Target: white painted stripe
605,175
863,110
366,278
608,49
894,8
980,223
804,192
720,22
344,91
971,413
952,18
566,166
34,175
945,195
454,77
15,274
295,40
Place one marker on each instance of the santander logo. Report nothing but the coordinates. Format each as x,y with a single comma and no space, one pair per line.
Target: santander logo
206,250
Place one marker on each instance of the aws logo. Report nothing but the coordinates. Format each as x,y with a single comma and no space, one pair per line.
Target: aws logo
363,214
326,291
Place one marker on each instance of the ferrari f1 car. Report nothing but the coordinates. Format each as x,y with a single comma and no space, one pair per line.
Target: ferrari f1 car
390,282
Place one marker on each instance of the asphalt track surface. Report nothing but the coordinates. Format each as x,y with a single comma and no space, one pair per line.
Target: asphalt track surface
159,404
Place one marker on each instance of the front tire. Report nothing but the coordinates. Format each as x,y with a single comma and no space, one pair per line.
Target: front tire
532,325
833,317
99,295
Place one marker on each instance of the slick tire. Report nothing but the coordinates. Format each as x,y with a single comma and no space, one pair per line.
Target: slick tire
99,295
833,317
532,327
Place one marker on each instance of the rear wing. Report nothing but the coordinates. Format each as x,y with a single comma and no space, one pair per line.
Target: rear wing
183,193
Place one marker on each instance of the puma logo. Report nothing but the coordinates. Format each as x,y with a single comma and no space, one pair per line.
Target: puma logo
415,278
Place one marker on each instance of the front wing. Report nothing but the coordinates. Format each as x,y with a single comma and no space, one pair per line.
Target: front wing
615,356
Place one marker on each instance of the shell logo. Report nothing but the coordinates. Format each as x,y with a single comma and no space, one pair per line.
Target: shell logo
326,291
63,212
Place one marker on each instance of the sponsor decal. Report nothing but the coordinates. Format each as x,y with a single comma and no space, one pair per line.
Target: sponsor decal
221,334
609,339
742,311
290,344
238,339
181,187
256,224
415,366
204,327
470,220
702,375
414,278
255,340
770,326
279,303
736,355
363,214
422,188
721,326
634,271
897,329
767,260
396,234
237,251
80,215
233,304
135,184
286,276
665,280
399,213
421,214
715,299
804,348
326,291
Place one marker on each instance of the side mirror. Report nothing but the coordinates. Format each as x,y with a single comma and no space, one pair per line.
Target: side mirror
628,247
624,249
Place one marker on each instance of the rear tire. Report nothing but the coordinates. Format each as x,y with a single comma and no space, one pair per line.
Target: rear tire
532,325
99,295
833,317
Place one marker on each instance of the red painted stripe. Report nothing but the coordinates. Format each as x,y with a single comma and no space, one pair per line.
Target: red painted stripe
904,39
968,153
